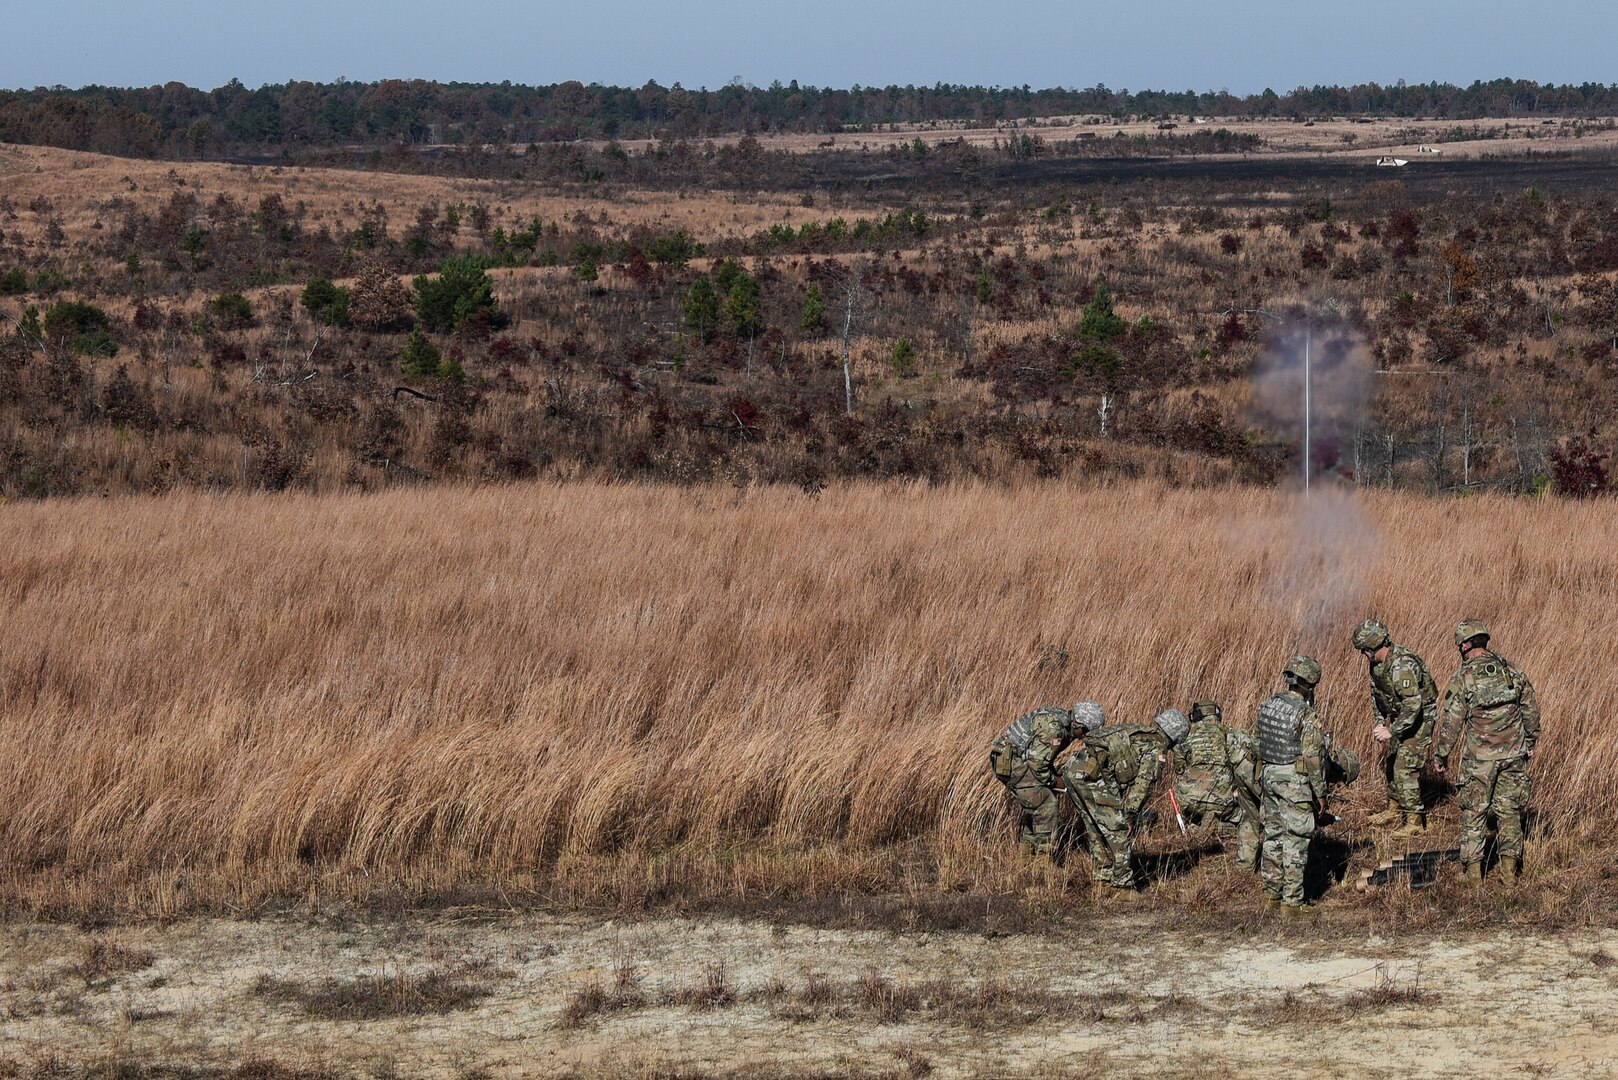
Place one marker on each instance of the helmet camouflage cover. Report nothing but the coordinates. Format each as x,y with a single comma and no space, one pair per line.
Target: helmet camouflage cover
1302,669
1371,634
1172,722
1206,709
1088,715
1469,629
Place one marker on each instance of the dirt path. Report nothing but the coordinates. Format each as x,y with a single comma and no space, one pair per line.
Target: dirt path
543,995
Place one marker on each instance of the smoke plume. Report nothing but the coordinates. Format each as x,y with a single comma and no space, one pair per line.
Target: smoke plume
1319,581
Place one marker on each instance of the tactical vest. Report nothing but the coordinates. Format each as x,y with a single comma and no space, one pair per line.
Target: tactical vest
1021,732
1280,719
1204,745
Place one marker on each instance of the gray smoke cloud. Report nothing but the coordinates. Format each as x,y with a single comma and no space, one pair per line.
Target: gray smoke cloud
1319,582
1340,375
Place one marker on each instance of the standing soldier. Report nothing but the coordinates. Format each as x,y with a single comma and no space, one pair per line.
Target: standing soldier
1213,779
1108,781
1292,784
1495,703
1021,758
1406,702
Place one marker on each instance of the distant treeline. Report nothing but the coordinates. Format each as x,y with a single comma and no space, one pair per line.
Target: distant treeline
178,121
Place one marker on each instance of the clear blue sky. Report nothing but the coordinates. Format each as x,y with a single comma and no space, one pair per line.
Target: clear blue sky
1243,46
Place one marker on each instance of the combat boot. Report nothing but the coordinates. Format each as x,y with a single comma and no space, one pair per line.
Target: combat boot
1473,875
1123,894
1415,825
1272,901
1509,870
1388,816
1295,910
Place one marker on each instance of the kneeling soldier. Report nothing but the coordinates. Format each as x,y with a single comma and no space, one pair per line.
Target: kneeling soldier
1021,758
1109,779
1214,780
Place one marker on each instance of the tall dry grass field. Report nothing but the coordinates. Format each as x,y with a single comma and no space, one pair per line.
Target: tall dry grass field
587,689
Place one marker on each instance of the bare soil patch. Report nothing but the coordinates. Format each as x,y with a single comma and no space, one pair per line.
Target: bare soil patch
556,995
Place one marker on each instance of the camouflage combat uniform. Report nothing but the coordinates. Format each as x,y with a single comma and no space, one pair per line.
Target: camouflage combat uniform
1214,779
1494,702
1108,781
1406,701
1292,784
1021,758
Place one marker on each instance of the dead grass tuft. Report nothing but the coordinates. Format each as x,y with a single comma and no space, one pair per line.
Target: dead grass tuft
380,996
1314,1006
102,960
593,998
710,989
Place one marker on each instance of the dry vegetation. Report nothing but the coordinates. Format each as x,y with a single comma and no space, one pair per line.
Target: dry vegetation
1489,303
644,696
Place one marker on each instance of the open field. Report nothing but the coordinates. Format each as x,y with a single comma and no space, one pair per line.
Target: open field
477,608
83,185
636,696
479,993
1349,136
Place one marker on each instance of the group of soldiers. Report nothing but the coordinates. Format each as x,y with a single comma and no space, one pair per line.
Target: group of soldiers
1265,788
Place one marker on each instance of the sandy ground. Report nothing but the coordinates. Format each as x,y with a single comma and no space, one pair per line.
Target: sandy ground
1271,1002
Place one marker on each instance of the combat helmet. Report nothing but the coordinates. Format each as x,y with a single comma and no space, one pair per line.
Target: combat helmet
1370,636
1087,716
1469,629
1172,722
1302,669
1206,709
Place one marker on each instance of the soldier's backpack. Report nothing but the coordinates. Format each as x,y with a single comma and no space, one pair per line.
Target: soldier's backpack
1122,754
1020,735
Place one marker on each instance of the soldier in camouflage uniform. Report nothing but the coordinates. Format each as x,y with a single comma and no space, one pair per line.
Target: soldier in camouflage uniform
1214,780
1494,702
1021,758
1109,778
1406,702
1292,784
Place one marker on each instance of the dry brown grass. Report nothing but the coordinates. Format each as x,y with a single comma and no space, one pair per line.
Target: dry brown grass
380,995
616,692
